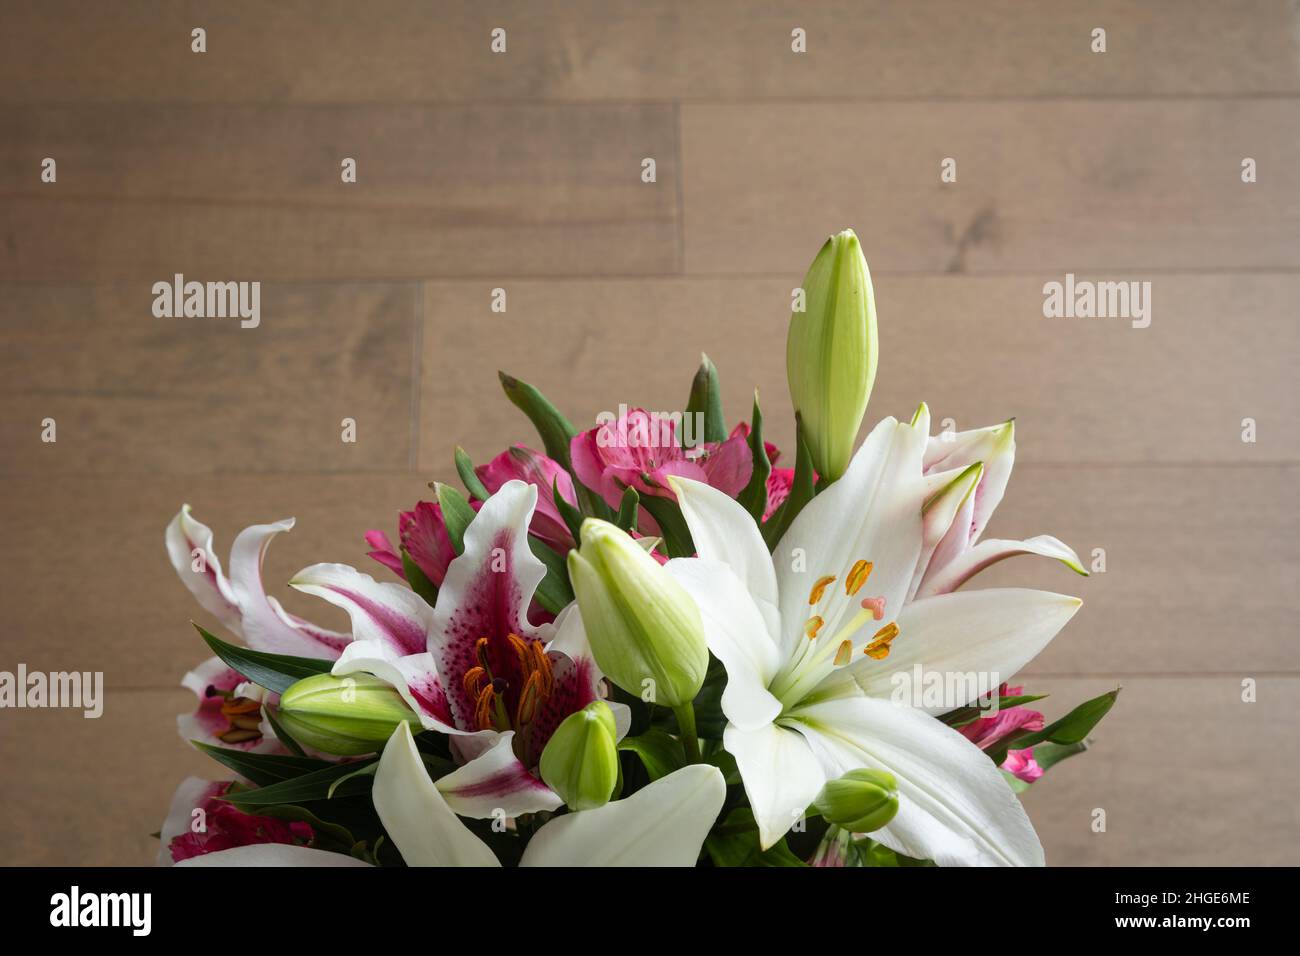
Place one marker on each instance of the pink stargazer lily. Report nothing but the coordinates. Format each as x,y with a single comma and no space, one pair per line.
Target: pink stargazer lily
225,716
474,666
641,451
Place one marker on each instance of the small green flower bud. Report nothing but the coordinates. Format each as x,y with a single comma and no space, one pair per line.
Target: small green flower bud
580,761
860,801
343,715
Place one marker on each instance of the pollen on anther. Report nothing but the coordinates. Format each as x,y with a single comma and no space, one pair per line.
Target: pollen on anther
844,653
812,626
857,576
818,589
878,649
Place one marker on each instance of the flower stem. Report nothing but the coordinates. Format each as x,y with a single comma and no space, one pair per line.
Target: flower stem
686,725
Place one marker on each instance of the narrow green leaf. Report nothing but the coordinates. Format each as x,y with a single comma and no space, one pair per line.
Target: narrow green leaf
668,514
418,580
337,837
754,496
706,401
317,785
273,671
626,518
571,515
801,492
465,468
555,592
660,752
263,769
456,512
285,738
1073,728
555,430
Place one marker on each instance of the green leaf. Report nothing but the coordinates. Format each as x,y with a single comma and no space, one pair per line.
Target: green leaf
285,738
571,515
554,593
1049,755
555,430
706,400
317,785
626,517
801,492
735,842
660,752
418,580
754,496
1073,728
275,672
263,769
337,837
465,468
456,513
668,515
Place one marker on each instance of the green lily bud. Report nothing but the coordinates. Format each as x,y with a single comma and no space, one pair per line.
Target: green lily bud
343,715
831,352
860,801
642,625
580,761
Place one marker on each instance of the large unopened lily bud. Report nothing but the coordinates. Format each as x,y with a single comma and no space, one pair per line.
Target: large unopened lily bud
580,761
343,715
645,631
860,801
831,352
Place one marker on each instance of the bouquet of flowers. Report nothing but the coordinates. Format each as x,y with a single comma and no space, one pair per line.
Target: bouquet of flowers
650,645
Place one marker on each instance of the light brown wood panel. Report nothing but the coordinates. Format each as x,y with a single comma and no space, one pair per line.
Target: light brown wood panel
1042,187
406,50
89,585
91,792
220,192
1219,348
134,394
1187,773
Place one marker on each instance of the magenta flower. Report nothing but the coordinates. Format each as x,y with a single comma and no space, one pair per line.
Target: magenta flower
985,732
518,462
642,449
218,825
422,532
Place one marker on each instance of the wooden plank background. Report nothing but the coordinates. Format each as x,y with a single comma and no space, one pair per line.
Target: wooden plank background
522,172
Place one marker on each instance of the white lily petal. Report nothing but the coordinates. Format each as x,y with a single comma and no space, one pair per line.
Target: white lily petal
872,513
496,784
185,535
738,636
981,637
995,446
724,531
954,806
387,612
782,776
416,816
941,519
412,676
272,854
266,627
953,574
663,824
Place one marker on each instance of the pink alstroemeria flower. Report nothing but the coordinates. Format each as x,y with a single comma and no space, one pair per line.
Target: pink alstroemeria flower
224,717
223,826
641,450
422,531
985,732
474,666
518,462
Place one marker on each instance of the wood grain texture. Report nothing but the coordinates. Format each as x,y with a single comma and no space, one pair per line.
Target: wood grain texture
1165,763
335,51
225,192
1220,348
1042,187
134,394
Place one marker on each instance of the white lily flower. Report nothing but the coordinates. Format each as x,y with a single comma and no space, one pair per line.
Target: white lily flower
813,635
663,824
